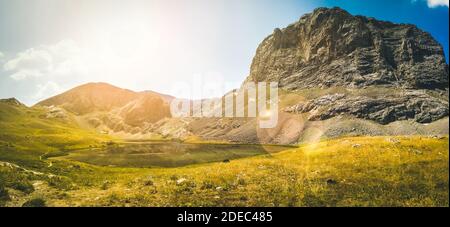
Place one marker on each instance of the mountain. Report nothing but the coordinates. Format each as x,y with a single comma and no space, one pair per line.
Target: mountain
385,72
341,75
109,108
330,47
92,97
338,75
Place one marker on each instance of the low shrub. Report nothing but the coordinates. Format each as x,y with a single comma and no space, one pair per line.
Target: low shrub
36,202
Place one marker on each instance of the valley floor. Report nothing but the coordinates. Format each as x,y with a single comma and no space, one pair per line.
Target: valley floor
354,171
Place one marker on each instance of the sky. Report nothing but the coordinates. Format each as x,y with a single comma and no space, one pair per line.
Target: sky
50,46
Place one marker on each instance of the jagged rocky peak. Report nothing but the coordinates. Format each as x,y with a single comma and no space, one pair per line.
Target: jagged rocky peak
330,47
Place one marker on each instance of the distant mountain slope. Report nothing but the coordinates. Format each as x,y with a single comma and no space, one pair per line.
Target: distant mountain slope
148,108
109,108
41,129
92,97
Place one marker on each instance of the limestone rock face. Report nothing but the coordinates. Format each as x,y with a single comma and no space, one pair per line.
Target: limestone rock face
330,47
417,105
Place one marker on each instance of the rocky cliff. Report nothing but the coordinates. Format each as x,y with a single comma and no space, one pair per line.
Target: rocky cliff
330,47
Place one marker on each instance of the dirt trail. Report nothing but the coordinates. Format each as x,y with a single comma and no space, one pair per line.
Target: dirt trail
12,166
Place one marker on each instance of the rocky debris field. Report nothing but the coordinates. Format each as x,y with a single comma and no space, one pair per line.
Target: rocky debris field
414,104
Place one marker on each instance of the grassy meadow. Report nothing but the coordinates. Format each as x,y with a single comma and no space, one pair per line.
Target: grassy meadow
38,167
356,171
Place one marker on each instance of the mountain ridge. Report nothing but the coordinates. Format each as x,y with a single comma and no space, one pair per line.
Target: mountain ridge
330,47
109,108
89,97
333,68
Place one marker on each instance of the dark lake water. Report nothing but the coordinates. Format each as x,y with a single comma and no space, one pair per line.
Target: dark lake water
169,154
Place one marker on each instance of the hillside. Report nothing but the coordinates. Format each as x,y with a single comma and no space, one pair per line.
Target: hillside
32,132
110,109
91,97
350,171
363,171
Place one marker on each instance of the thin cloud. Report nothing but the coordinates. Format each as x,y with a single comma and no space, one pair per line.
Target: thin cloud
46,90
434,3
23,74
57,59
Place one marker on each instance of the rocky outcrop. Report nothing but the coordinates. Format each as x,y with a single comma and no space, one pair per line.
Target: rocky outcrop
12,101
149,108
330,47
55,112
416,105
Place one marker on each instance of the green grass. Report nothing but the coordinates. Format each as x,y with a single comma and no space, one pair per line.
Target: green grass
353,171
26,132
359,171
